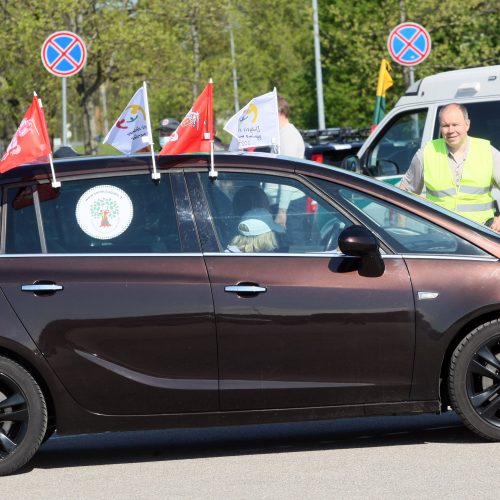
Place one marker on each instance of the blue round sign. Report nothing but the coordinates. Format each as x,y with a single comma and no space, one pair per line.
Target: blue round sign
409,44
64,53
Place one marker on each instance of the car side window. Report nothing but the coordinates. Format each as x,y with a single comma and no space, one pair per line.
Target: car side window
22,231
398,143
127,214
484,121
245,206
403,231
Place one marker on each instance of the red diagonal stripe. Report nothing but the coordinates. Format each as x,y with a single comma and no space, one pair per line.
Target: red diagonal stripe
409,43
64,53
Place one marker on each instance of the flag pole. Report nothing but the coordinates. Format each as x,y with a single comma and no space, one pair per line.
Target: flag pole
277,145
55,183
154,175
212,174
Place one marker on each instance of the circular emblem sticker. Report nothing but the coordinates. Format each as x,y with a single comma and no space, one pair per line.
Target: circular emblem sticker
104,212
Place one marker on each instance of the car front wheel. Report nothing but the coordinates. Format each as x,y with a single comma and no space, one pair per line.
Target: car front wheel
23,416
474,380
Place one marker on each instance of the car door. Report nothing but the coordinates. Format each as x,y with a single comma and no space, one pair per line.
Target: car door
302,327
115,293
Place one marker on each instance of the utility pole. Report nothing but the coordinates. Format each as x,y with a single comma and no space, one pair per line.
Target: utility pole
409,72
319,74
235,74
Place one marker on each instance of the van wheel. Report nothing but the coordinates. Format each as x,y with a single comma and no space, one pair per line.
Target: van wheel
474,380
23,416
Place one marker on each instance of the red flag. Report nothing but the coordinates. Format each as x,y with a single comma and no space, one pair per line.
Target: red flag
196,131
30,142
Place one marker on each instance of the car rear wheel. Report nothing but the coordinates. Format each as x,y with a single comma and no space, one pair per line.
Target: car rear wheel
23,416
474,380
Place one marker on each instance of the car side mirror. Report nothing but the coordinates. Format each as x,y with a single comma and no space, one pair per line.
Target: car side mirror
350,163
358,241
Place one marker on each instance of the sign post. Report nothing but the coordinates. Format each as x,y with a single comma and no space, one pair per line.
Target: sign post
409,44
64,54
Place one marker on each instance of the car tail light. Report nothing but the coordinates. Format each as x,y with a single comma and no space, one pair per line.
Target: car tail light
311,205
317,157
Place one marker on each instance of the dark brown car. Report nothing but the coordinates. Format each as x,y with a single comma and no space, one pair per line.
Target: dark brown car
132,304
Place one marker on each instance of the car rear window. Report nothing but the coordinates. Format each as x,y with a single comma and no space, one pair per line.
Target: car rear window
126,214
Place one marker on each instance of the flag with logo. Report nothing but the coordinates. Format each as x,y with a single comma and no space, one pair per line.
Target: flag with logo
384,82
31,140
196,131
132,130
257,124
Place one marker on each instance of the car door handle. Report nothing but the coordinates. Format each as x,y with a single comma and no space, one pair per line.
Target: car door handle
245,289
41,287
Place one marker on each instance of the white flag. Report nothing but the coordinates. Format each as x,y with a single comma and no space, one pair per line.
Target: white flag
131,132
257,123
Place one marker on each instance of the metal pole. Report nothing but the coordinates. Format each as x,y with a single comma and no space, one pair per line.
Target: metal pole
319,75
235,75
104,108
64,119
412,75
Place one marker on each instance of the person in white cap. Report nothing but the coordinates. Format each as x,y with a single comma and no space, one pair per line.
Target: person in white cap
256,233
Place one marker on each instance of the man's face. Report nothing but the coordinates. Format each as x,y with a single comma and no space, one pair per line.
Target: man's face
454,127
164,135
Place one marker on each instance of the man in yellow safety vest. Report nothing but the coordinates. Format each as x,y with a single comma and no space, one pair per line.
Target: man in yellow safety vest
458,171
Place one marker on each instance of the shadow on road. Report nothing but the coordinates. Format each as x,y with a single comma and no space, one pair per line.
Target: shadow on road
182,444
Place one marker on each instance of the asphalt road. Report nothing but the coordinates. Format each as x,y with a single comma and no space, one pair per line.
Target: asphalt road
391,457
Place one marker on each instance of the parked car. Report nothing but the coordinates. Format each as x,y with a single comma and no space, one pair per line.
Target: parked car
332,145
121,307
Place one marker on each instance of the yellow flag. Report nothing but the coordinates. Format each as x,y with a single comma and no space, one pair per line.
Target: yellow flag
384,78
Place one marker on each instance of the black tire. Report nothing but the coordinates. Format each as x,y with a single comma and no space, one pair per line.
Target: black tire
23,416
474,380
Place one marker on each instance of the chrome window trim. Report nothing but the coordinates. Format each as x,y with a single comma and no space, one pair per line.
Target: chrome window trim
478,258
48,255
338,254
301,255
242,254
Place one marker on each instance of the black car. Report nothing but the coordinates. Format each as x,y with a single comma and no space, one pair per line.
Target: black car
131,303
332,145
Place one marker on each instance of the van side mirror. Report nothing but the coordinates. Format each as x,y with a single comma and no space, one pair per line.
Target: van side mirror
387,167
358,241
350,163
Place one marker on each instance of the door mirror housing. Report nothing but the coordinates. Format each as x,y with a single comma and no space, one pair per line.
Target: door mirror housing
351,163
387,167
358,241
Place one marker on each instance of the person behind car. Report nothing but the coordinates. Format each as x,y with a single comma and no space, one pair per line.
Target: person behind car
291,201
458,171
249,197
256,233
167,127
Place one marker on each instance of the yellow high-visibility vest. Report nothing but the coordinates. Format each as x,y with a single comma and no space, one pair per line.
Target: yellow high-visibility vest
472,198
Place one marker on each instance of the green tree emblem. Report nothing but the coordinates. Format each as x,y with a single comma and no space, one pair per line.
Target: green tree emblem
104,209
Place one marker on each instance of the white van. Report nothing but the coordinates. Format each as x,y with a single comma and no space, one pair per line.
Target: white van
413,121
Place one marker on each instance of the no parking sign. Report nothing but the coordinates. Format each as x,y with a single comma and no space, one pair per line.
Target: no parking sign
64,53
409,44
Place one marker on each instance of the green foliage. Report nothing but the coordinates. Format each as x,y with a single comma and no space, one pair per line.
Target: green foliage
354,37
177,46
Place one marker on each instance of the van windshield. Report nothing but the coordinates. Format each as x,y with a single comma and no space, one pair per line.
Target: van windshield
397,145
